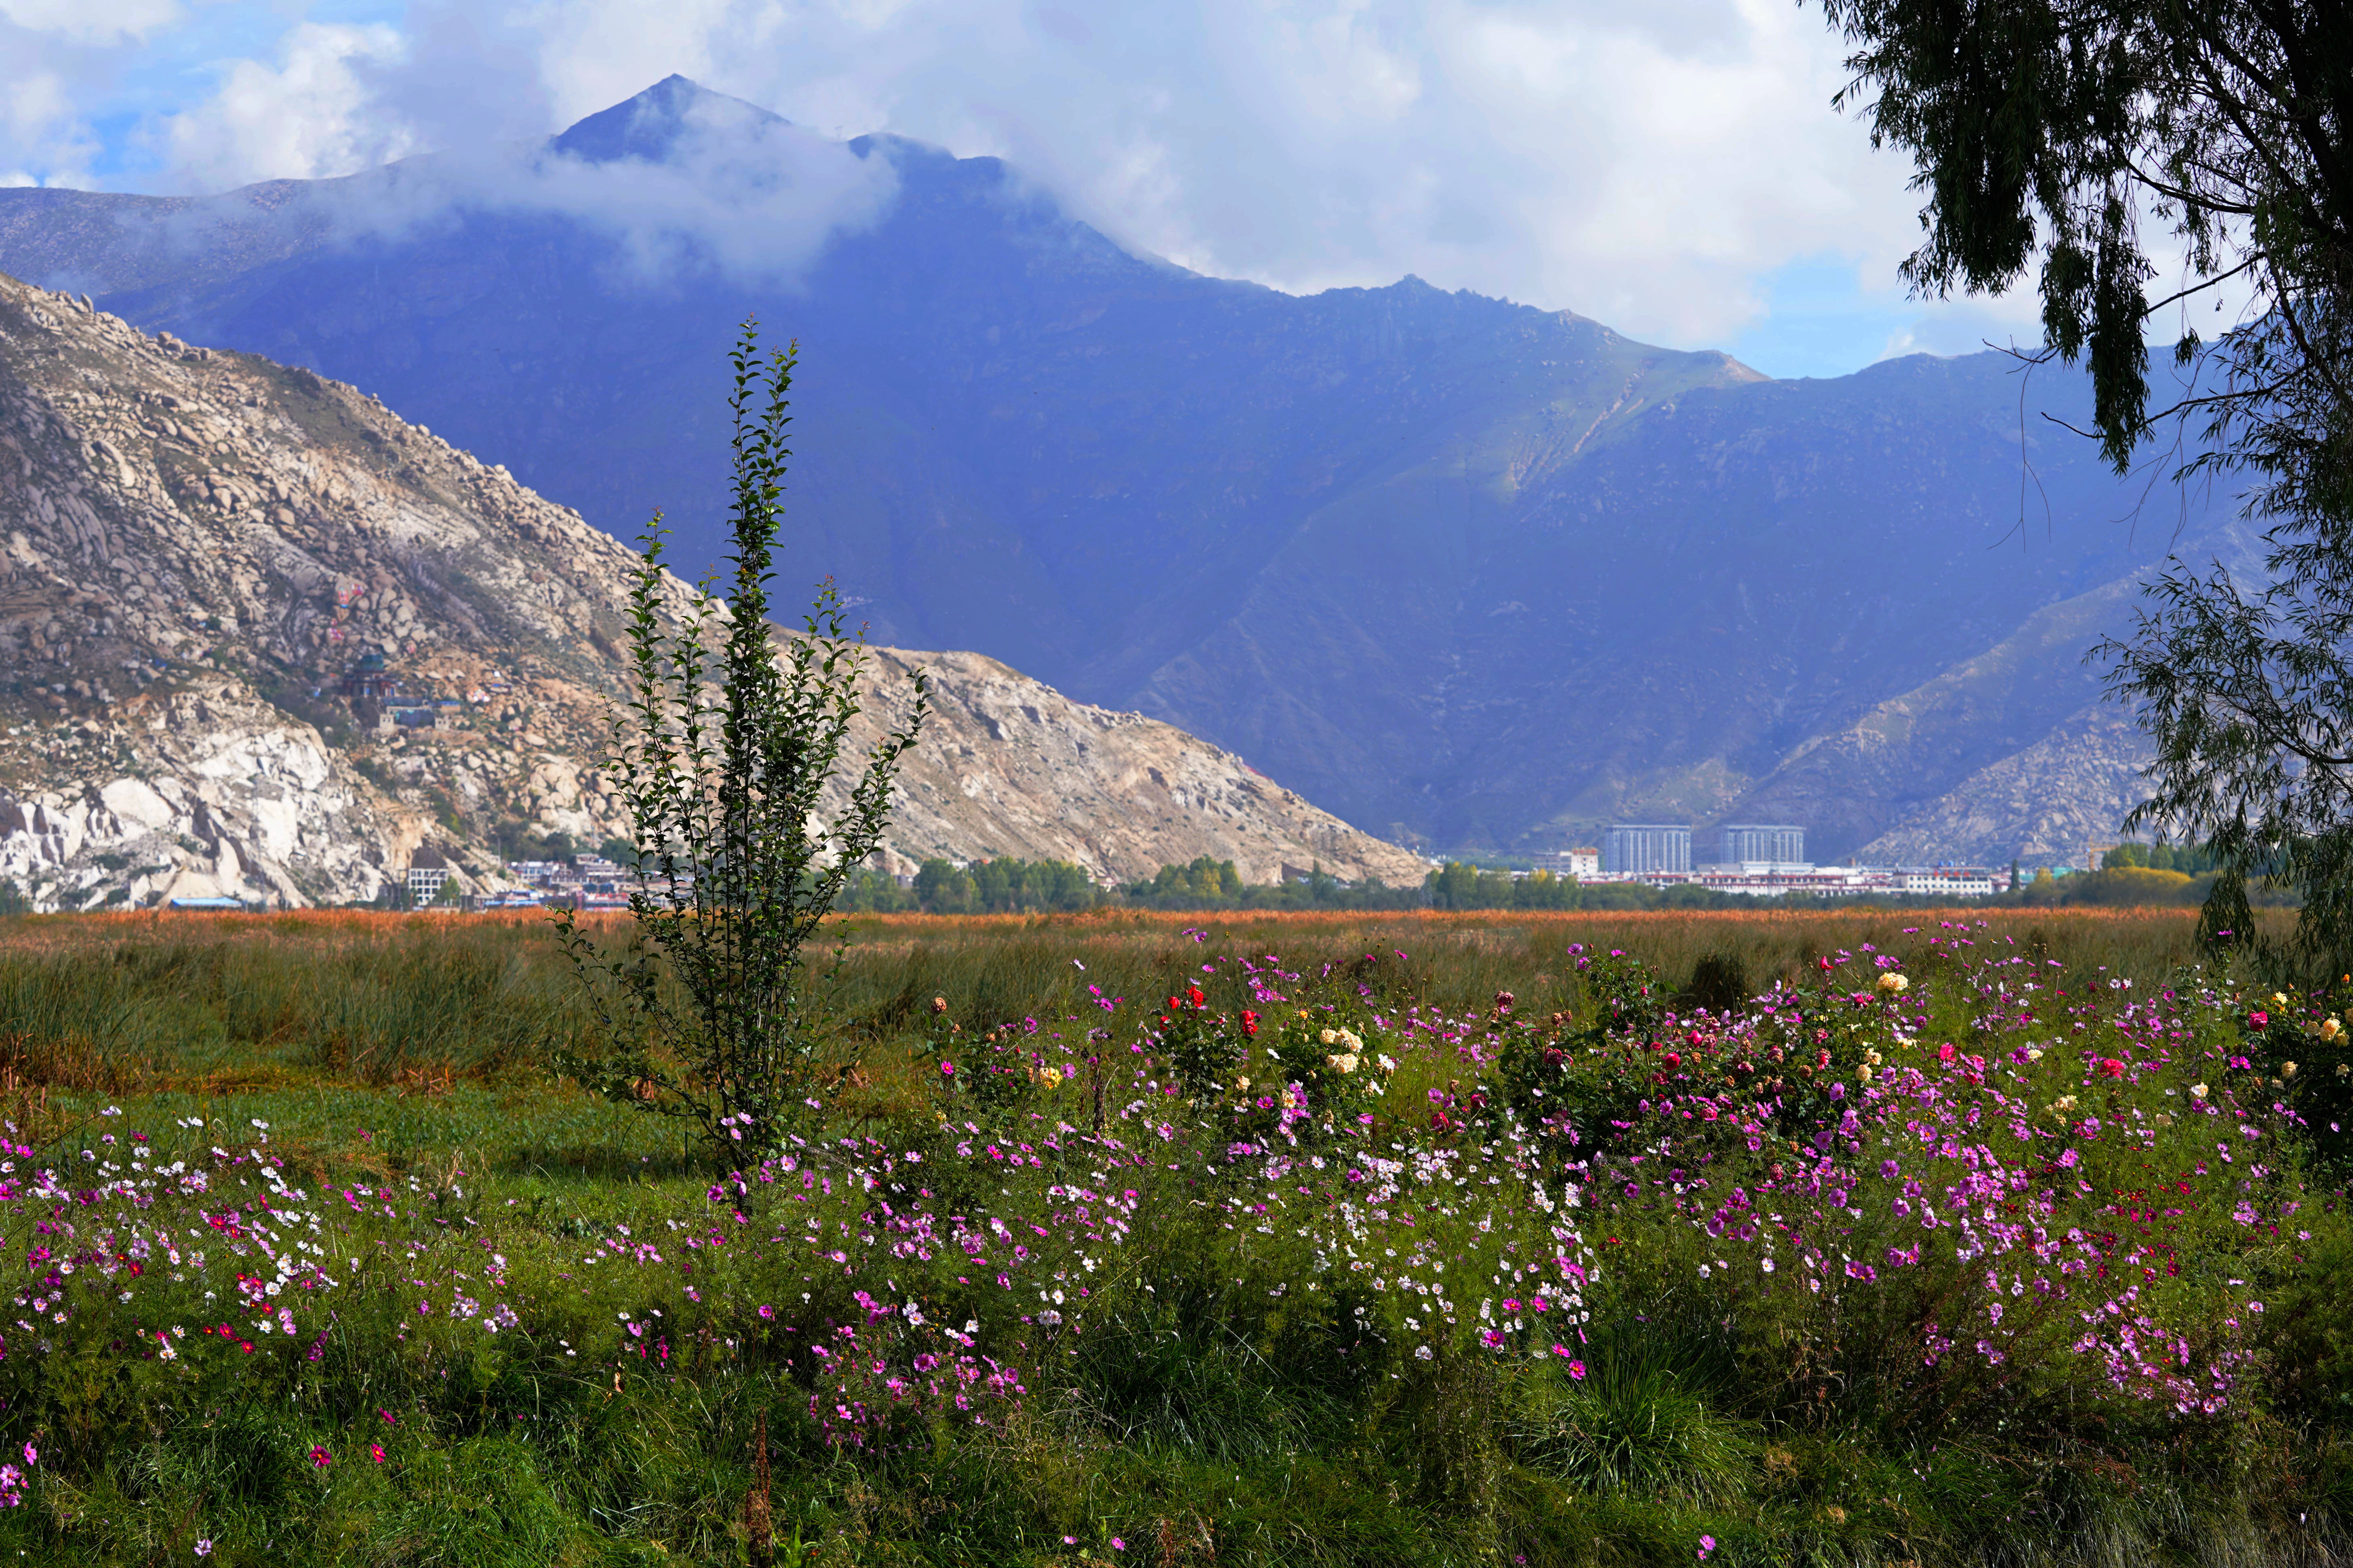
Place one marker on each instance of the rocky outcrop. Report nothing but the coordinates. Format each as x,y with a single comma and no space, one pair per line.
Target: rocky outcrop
2049,802
1009,766
260,638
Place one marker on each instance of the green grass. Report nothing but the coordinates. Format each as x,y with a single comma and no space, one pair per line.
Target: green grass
1244,1379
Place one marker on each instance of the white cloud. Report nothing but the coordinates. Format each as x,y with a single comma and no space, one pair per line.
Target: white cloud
307,117
92,21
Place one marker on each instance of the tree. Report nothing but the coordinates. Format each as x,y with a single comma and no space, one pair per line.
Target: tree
721,759
2057,130
942,887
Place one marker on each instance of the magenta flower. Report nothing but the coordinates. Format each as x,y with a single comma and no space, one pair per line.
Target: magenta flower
319,1458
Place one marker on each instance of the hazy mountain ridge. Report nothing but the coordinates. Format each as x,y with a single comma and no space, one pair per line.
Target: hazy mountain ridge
199,545
1457,568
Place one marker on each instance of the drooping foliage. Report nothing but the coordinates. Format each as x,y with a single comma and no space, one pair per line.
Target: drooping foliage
2089,138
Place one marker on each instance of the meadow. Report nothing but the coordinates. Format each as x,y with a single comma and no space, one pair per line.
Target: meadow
1125,1237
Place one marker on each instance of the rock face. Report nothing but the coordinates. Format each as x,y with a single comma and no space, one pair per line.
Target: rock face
1011,767
260,638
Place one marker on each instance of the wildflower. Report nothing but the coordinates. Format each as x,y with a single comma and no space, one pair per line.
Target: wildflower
1706,1545
2196,1091
2259,1020
375,1452
319,1458
1050,1076
1862,1074
2111,1068
204,1549
947,1070
2034,1053
32,1455
2287,1070
939,1005
2279,999
1893,984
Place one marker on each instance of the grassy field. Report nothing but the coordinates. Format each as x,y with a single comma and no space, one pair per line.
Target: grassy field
1584,1238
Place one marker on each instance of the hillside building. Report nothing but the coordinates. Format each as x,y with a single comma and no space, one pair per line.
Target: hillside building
429,873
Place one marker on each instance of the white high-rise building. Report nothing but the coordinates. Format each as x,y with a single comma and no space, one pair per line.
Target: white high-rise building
1638,847
1747,843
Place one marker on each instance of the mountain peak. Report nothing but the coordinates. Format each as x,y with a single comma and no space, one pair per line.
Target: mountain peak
648,127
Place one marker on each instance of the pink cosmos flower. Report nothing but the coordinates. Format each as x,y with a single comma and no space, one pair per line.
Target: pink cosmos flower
319,1458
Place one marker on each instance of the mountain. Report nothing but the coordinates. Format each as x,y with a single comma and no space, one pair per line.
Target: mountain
1466,571
225,580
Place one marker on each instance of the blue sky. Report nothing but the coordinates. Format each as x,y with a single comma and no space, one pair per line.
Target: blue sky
1670,167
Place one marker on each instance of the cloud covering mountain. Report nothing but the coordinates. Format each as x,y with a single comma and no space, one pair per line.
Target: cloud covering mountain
1674,168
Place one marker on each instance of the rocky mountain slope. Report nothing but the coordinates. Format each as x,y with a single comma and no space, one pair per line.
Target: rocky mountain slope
260,636
1460,570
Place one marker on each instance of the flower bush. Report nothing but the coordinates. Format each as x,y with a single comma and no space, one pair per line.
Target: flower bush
1627,1261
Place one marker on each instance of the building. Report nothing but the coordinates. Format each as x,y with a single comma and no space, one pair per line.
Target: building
1580,863
1634,847
428,874
1766,844
1950,881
